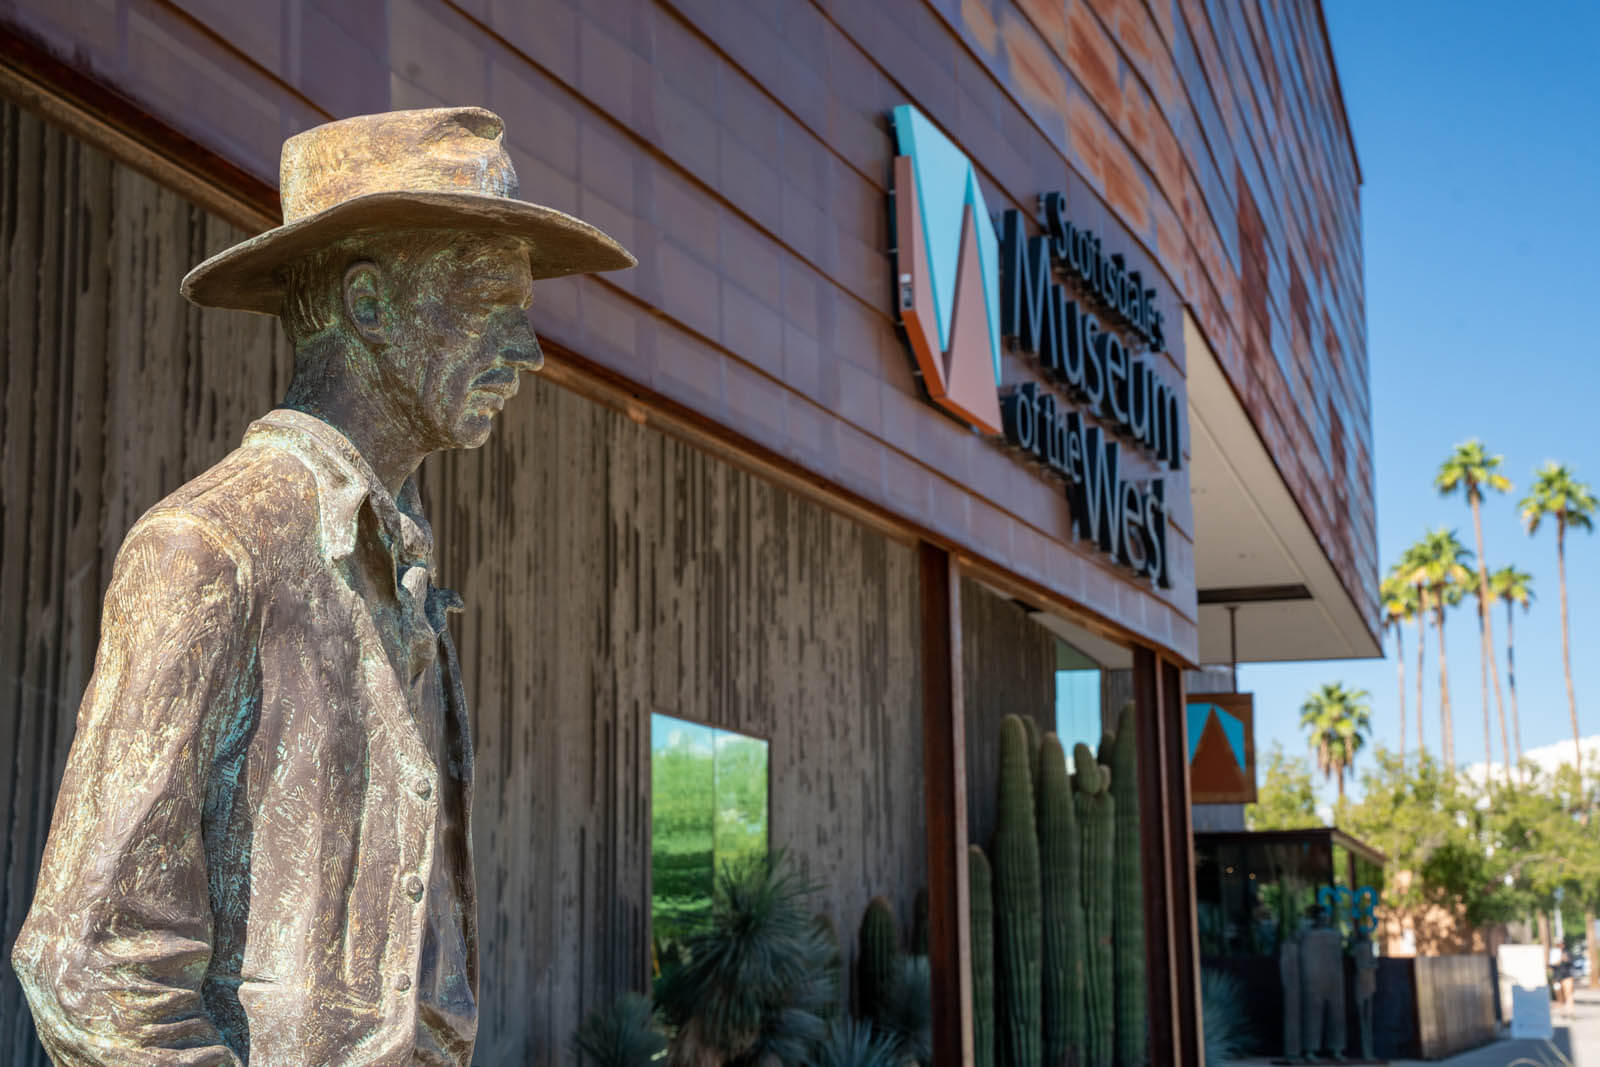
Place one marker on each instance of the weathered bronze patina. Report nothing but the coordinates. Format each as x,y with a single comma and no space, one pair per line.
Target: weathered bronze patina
262,846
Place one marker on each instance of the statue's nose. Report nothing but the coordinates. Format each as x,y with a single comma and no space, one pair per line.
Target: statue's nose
523,351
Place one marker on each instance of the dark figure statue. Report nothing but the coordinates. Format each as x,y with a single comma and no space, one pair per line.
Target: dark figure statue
262,848
1366,987
1289,974
1322,988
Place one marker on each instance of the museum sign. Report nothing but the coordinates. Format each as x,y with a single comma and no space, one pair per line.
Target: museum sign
1065,301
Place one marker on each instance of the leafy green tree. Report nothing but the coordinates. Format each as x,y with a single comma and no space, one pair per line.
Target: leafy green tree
1570,503
1470,470
1287,796
1400,603
1339,721
1429,822
1437,565
1515,588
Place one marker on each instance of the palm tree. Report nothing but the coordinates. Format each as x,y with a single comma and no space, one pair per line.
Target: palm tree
1410,570
1438,564
1514,587
1339,720
1399,607
1471,470
1558,495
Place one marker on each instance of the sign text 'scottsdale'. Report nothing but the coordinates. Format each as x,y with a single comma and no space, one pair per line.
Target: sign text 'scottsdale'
1098,369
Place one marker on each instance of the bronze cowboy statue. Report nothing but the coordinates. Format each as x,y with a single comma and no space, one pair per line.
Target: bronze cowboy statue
262,849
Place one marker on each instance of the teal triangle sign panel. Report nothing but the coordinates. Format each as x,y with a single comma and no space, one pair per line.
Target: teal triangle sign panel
946,184
1232,728
1198,714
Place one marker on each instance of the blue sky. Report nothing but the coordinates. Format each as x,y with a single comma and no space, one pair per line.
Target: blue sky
1478,130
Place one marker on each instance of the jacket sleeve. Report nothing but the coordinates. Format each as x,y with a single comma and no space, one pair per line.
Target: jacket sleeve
118,939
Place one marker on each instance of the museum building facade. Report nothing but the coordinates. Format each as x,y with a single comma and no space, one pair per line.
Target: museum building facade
981,359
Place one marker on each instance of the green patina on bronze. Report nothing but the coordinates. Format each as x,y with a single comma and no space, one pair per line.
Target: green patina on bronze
262,846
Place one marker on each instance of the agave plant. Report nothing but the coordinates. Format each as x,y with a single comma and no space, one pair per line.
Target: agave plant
623,1034
1222,1003
907,1017
851,1043
756,978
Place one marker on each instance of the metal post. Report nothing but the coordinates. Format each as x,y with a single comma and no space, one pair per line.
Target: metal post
945,798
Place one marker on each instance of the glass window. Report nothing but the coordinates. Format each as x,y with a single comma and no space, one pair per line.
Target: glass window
1077,699
708,807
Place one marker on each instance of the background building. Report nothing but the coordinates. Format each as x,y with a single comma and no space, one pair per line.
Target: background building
730,501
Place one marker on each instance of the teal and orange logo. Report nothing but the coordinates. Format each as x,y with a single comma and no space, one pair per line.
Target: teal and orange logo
947,272
965,285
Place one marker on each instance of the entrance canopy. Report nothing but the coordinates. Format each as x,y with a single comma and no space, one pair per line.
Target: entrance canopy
1254,550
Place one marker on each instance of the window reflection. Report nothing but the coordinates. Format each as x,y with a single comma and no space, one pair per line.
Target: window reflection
1077,699
708,807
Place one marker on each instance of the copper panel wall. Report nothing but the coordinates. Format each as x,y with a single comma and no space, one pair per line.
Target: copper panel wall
742,151
1216,133
609,572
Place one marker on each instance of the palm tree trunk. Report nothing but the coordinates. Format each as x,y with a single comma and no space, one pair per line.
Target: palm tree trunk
1446,727
1566,644
1511,682
1486,626
1400,673
1341,788
1422,634
1488,743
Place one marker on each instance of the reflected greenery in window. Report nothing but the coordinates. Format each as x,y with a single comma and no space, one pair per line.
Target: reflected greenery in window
708,807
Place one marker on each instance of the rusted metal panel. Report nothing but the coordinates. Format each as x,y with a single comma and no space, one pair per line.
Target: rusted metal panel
945,772
609,572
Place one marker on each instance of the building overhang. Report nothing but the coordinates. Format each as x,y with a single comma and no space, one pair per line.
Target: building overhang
1256,556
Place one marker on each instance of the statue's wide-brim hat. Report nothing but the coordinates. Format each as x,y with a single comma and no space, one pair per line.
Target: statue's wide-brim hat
435,169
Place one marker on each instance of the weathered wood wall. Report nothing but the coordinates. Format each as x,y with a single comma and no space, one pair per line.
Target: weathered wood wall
609,572
1008,667
1455,1004
114,392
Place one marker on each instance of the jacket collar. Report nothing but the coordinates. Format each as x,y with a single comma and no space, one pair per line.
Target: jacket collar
345,481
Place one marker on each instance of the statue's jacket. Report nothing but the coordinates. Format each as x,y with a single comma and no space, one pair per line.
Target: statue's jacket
262,851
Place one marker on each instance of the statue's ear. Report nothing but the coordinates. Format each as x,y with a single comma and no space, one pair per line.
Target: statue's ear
364,302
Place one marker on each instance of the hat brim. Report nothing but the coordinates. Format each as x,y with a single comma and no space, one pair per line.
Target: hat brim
246,277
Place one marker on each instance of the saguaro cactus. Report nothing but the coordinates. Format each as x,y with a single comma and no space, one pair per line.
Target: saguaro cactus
1062,904
877,966
1016,903
1096,824
980,916
1128,918
1032,727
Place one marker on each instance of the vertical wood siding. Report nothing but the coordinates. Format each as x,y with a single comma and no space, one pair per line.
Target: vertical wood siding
609,572
114,392
1008,667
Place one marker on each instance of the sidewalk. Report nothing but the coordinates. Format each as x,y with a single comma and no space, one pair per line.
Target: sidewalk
1576,1043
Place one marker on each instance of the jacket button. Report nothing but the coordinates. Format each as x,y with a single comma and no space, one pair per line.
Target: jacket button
413,887
424,788
403,982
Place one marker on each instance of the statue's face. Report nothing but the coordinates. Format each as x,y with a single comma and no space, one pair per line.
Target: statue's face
456,335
